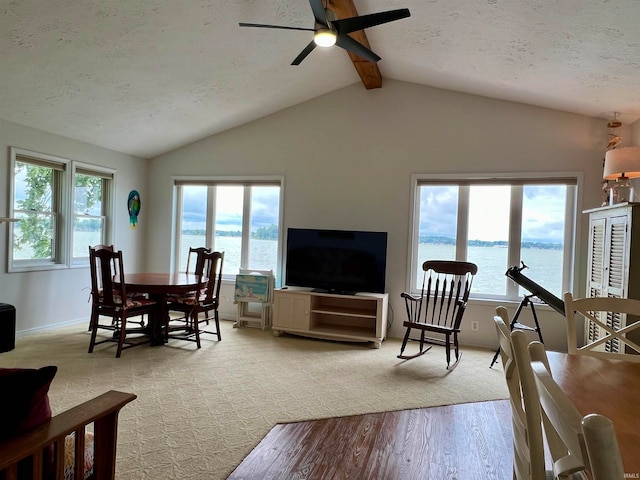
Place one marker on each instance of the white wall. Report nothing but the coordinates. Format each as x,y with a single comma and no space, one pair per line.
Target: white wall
47,298
347,158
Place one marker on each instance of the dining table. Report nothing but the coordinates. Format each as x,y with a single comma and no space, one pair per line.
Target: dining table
609,387
159,286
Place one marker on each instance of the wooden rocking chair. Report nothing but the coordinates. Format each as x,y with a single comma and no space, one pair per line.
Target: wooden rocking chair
439,309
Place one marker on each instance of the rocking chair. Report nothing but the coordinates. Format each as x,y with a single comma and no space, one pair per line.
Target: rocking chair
439,309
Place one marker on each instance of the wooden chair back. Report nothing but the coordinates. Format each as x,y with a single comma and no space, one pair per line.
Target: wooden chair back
446,286
616,319
528,449
602,447
212,267
105,266
195,260
564,418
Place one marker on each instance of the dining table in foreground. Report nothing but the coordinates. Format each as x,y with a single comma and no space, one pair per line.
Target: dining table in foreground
610,388
159,286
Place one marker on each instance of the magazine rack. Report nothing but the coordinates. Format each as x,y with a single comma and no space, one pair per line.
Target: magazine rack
254,287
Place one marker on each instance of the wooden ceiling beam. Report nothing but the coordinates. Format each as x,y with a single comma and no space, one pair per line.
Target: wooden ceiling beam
368,71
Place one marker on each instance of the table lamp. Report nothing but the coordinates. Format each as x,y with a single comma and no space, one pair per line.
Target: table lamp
622,164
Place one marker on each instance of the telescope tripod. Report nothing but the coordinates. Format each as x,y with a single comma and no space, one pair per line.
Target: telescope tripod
526,300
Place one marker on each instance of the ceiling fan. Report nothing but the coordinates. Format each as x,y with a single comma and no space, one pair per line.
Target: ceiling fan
328,31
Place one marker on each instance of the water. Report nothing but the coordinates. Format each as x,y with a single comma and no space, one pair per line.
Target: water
492,262
544,266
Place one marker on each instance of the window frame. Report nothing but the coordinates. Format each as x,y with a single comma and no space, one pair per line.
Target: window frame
64,210
213,181
517,181
108,176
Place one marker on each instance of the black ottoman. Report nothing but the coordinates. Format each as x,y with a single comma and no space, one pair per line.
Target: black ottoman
7,327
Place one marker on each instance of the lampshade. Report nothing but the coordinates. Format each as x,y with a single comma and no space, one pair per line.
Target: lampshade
622,162
324,38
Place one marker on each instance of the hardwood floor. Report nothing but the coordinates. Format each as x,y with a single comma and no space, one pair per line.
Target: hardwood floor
464,442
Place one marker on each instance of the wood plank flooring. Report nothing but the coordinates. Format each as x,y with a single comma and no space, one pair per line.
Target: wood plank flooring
469,441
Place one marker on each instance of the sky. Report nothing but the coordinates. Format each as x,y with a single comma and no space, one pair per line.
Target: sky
543,212
229,203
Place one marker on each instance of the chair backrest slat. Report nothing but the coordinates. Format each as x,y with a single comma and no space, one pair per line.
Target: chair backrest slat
565,419
446,287
610,324
212,266
199,263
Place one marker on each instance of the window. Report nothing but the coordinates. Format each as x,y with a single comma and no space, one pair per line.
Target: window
239,217
496,223
41,198
91,210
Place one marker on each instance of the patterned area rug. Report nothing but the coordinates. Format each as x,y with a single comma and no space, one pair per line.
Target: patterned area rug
200,412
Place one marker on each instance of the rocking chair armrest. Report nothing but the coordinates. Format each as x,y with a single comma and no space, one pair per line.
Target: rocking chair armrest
411,298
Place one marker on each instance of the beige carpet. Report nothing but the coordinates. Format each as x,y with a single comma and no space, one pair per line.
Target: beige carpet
200,412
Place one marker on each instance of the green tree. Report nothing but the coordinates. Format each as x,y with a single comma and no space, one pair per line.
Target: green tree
36,225
36,228
266,233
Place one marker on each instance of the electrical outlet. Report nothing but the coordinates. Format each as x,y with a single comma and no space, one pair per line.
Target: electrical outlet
474,325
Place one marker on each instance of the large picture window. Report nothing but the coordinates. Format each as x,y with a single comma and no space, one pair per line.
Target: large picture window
62,206
496,223
239,217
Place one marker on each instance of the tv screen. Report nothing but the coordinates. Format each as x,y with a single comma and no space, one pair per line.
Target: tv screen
341,261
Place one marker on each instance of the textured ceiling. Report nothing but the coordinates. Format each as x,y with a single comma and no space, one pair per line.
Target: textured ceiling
147,76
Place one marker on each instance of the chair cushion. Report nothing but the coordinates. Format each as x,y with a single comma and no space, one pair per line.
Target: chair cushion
69,456
137,301
188,298
24,403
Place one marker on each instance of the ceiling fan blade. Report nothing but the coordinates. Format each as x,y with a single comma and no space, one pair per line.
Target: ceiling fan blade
307,50
353,24
318,11
261,25
353,46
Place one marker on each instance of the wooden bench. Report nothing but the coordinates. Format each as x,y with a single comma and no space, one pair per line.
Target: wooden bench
101,411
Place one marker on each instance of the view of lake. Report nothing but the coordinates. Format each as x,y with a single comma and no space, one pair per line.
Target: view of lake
491,261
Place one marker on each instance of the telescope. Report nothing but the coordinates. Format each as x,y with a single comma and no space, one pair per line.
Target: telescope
515,274
538,291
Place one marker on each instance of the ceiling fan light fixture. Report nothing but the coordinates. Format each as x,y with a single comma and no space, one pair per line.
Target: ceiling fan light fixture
325,38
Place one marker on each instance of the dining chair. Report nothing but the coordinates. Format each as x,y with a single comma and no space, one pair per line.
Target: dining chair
612,326
95,305
440,307
110,299
528,446
205,300
567,424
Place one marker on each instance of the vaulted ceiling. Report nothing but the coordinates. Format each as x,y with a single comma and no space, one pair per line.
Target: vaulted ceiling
147,76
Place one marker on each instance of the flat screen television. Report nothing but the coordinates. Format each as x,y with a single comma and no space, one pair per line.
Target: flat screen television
337,261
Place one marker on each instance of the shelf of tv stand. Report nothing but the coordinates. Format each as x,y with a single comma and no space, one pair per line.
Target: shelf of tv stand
361,317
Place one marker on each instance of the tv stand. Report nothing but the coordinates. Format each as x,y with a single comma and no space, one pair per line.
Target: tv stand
361,317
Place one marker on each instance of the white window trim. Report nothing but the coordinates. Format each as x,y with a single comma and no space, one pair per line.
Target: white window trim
108,202
179,181
571,216
65,218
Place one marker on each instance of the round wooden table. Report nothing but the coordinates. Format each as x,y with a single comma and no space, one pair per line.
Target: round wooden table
158,286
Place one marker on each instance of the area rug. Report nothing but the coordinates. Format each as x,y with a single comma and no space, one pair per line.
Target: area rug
200,412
